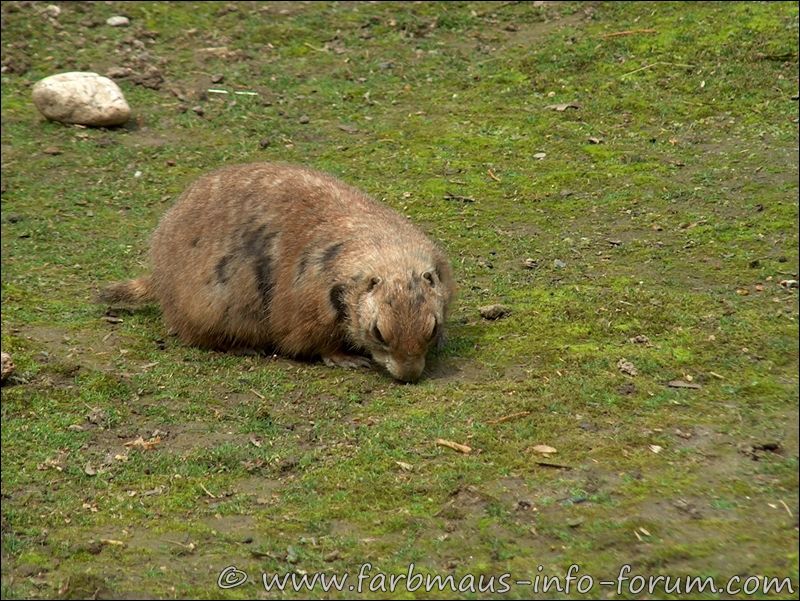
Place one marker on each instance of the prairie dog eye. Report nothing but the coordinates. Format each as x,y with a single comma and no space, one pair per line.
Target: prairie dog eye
376,333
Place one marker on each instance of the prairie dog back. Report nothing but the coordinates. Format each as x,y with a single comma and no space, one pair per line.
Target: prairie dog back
279,256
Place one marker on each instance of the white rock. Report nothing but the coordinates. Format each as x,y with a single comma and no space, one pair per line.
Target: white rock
52,10
80,97
118,21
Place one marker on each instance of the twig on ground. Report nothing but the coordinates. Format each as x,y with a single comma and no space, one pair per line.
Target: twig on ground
507,418
208,492
461,448
496,8
553,465
651,65
450,196
617,34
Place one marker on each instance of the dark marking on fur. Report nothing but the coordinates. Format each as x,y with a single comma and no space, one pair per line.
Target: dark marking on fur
256,246
337,300
330,254
195,242
222,269
263,268
253,241
419,300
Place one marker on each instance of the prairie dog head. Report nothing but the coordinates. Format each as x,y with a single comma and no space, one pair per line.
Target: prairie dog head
399,316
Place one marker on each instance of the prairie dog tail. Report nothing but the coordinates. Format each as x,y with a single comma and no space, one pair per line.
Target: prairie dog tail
132,292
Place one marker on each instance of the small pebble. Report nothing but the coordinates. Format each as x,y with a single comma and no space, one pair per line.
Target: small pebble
118,21
493,312
627,367
7,368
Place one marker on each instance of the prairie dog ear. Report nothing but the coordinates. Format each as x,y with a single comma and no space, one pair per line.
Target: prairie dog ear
373,282
429,277
444,272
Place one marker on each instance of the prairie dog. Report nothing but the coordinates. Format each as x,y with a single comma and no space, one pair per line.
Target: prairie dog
278,256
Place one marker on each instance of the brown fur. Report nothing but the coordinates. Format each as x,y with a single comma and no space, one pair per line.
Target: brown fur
272,255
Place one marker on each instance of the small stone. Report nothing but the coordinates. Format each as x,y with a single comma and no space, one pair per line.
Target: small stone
264,143
493,312
118,21
575,522
198,110
97,416
683,384
150,77
52,10
559,264
531,264
7,366
218,78
119,72
304,119
81,97
52,150
540,155
627,367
